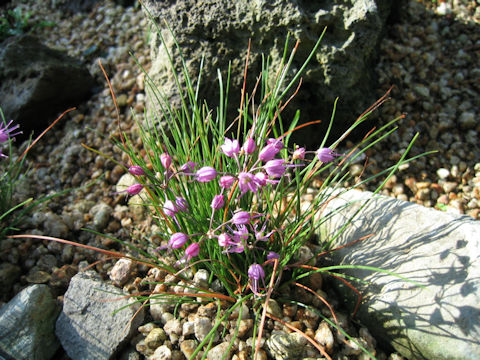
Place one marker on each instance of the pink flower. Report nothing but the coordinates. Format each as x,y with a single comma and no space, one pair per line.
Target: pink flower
249,146
272,255
166,160
256,273
268,152
299,154
206,174
136,170
235,248
226,181
134,189
177,240
188,166
192,250
231,147
181,203
246,181
326,155
224,240
218,202
169,208
241,218
275,168
275,142
261,178
240,234
6,132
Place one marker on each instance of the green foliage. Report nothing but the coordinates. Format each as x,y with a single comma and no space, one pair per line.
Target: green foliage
16,22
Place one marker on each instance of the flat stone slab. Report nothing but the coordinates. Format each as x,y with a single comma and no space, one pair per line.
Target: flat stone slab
87,327
438,250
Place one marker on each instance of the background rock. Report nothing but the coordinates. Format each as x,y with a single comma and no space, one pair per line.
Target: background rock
87,327
27,325
36,81
220,30
440,251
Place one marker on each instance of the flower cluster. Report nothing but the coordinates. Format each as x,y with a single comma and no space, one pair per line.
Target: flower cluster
237,226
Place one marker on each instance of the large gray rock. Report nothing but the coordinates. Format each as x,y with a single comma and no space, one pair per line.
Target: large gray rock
87,327
438,250
220,30
37,82
27,325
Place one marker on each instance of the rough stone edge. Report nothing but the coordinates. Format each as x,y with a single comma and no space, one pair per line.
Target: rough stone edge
385,318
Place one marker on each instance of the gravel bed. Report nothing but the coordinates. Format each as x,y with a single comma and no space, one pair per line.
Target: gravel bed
430,54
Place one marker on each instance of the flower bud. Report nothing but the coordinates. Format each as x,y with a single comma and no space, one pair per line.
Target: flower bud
192,250
218,202
169,208
136,170
241,218
177,240
226,181
249,146
206,174
275,168
134,189
326,155
181,203
166,160
268,152
231,147
299,154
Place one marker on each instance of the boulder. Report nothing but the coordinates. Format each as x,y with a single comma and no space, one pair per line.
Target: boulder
37,82
88,328
220,31
27,325
441,251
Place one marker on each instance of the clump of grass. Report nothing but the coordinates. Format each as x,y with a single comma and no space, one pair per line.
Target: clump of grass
227,196
16,22
12,170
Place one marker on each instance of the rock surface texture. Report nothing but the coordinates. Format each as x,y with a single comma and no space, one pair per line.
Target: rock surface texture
27,325
37,81
87,326
220,30
440,251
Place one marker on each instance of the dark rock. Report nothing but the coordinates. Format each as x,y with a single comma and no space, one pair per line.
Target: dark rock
36,82
27,325
343,66
9,275
87,326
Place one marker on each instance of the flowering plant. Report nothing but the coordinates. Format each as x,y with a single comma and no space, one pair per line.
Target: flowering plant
228,197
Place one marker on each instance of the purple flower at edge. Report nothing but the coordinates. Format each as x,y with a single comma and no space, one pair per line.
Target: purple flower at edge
6,132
